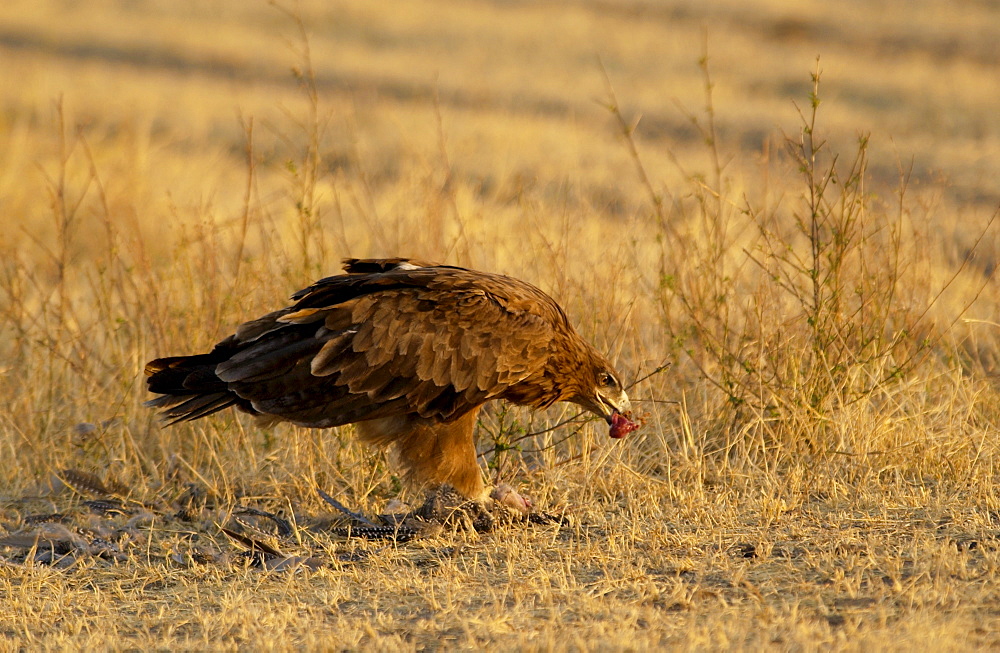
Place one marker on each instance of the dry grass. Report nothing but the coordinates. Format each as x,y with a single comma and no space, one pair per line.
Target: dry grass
827,476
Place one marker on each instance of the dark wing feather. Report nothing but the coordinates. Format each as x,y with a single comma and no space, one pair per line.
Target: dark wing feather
388,338
419,349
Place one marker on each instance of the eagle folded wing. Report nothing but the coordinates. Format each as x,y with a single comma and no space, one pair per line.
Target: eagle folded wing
413,350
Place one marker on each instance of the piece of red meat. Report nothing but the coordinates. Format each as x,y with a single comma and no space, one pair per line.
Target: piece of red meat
621,426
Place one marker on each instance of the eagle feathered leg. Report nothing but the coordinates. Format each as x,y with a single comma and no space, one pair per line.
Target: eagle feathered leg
431,453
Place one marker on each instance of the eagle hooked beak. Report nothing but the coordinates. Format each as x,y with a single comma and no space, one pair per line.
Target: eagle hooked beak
616,409
609,406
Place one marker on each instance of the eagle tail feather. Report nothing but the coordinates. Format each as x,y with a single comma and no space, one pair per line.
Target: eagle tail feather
189,388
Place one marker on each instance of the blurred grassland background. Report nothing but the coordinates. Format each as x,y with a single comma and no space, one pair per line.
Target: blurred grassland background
169,169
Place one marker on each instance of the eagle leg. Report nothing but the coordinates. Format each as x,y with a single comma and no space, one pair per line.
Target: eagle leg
431,453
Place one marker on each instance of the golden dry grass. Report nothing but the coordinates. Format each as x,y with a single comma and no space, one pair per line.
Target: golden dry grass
164,174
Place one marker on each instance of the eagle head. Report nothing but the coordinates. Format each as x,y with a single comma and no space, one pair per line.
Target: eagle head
604,395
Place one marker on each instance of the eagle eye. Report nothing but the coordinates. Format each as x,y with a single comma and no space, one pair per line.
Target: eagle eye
606,380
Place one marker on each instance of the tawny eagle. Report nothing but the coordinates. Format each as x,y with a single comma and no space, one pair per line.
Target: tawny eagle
409,352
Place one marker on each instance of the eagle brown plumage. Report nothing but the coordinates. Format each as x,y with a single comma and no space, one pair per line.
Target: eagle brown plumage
409,351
